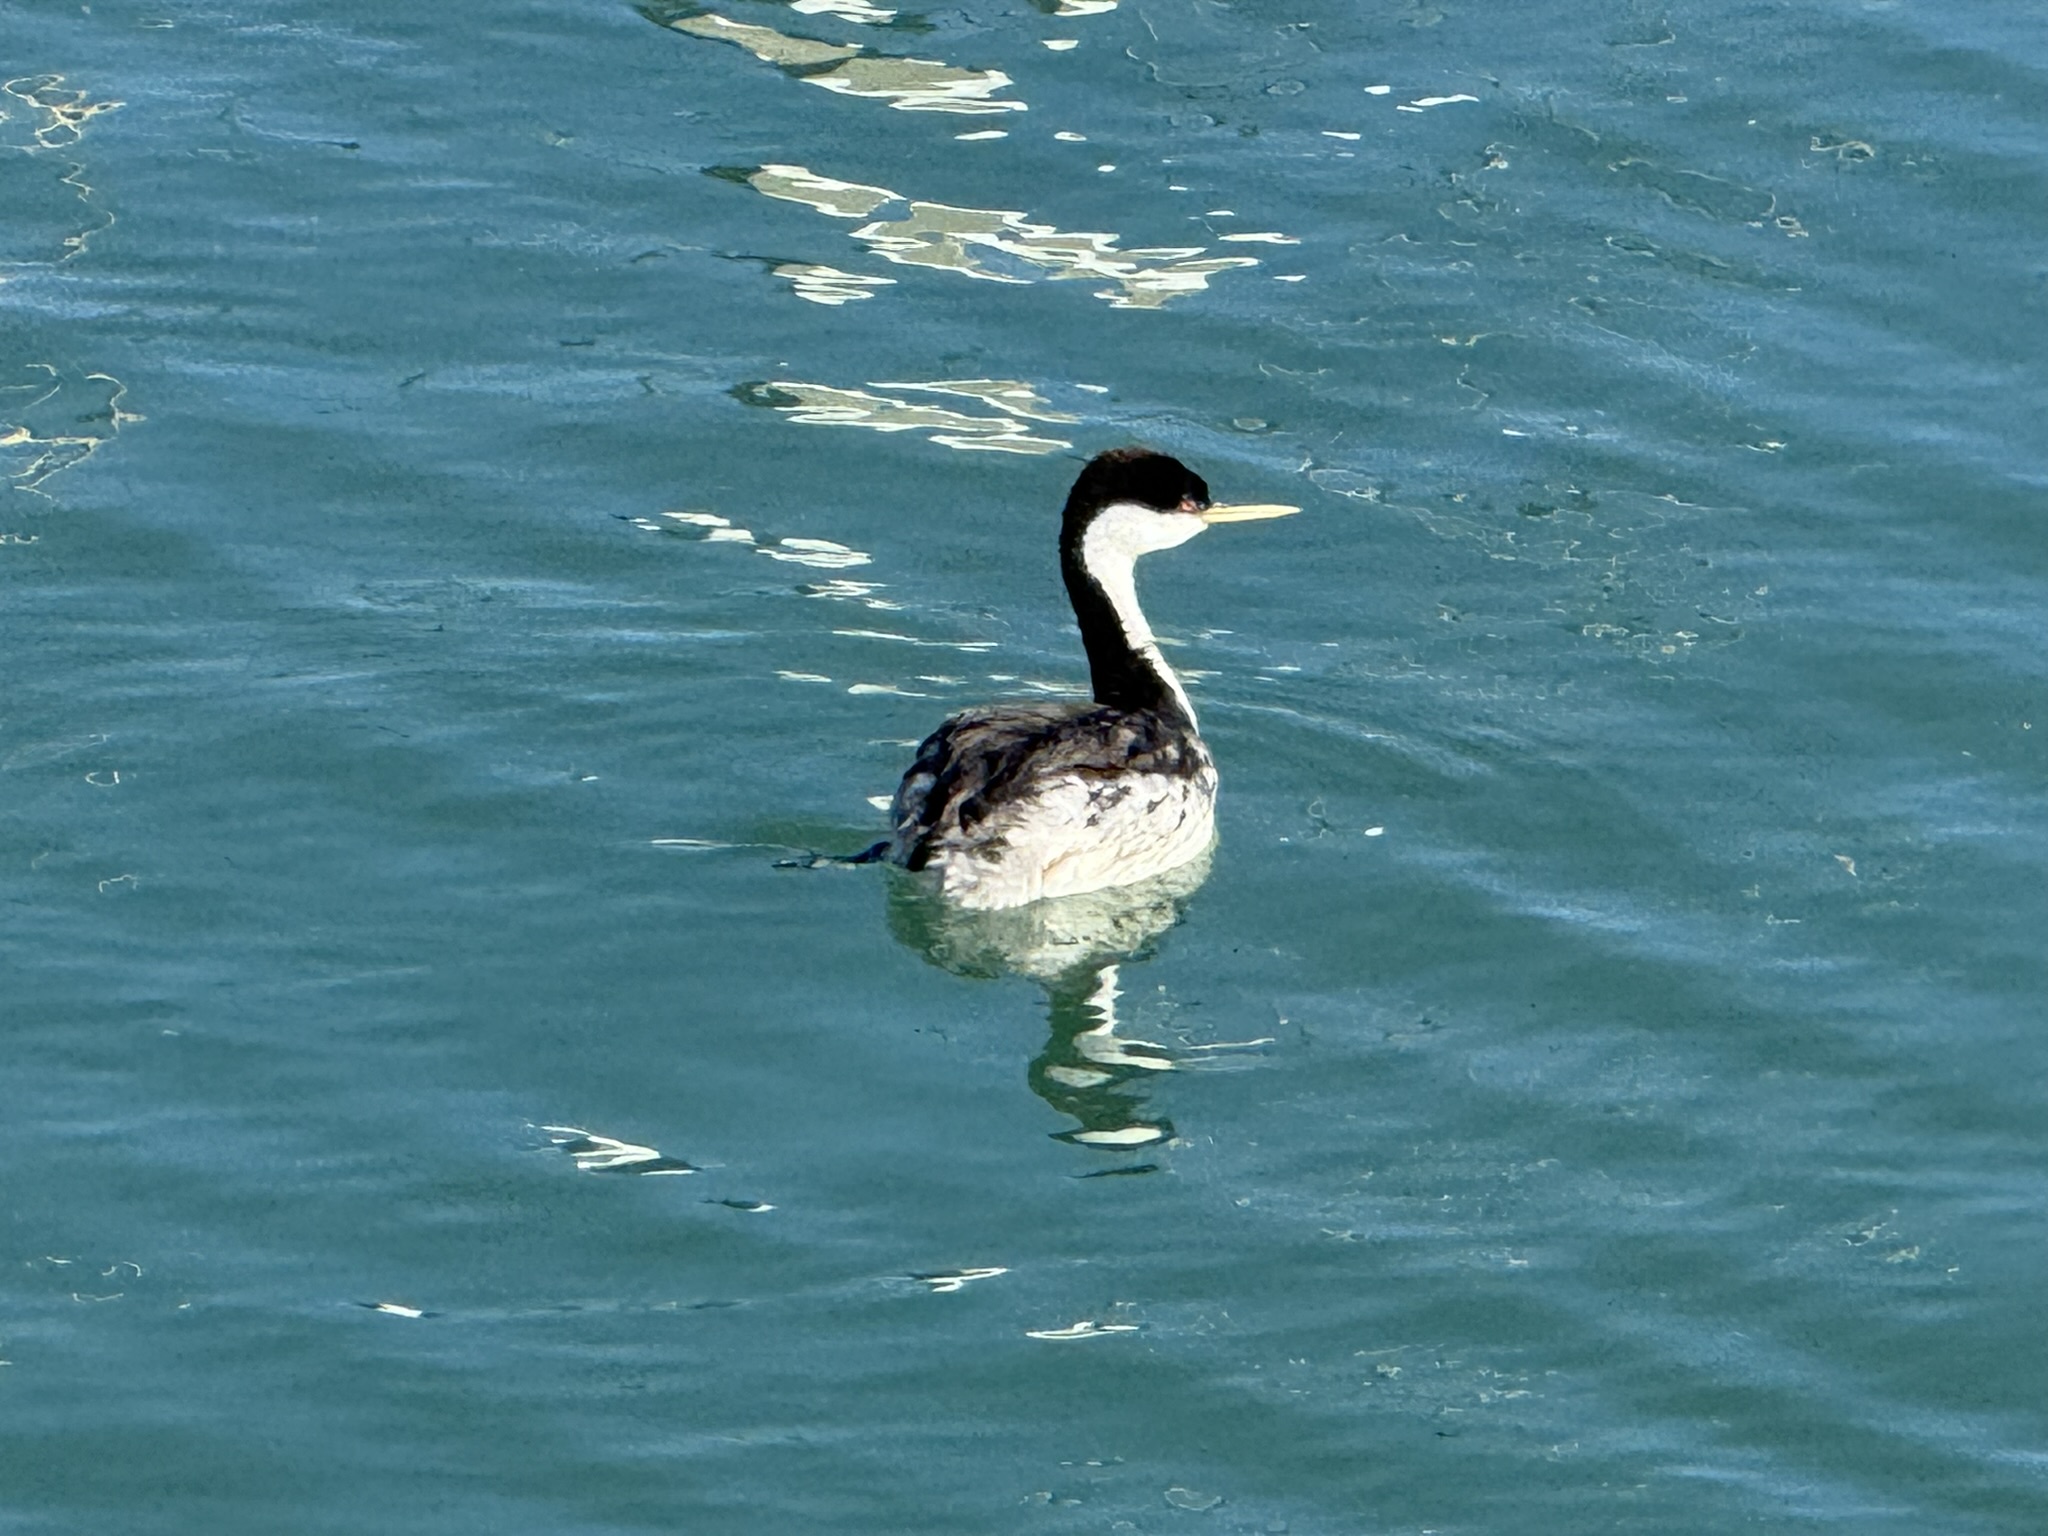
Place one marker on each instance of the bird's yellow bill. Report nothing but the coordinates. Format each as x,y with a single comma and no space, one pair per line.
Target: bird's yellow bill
1247,512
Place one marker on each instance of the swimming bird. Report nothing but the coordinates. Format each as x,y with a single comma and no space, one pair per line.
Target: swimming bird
1012,803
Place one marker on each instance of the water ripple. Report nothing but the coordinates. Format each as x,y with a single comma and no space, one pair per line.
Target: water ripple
847,69
999,245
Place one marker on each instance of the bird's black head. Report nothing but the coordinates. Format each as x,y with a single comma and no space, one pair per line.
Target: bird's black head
1126,504
1136,475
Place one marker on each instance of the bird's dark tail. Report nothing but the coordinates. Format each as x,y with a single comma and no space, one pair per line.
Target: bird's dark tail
874,855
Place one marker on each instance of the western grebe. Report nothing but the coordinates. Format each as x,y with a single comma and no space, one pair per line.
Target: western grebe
1010,803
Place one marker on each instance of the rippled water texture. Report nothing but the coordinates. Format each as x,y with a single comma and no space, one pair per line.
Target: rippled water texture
480,485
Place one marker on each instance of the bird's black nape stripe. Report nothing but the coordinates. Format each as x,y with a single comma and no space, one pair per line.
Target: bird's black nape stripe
1119,675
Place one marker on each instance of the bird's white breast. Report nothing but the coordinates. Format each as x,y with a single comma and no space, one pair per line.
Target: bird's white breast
1075,833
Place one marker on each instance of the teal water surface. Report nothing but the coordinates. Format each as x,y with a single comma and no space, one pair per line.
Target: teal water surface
483,485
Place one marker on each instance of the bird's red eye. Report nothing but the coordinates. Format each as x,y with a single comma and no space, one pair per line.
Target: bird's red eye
1191,504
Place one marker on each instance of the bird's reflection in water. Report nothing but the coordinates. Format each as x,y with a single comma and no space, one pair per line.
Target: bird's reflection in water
1073,947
